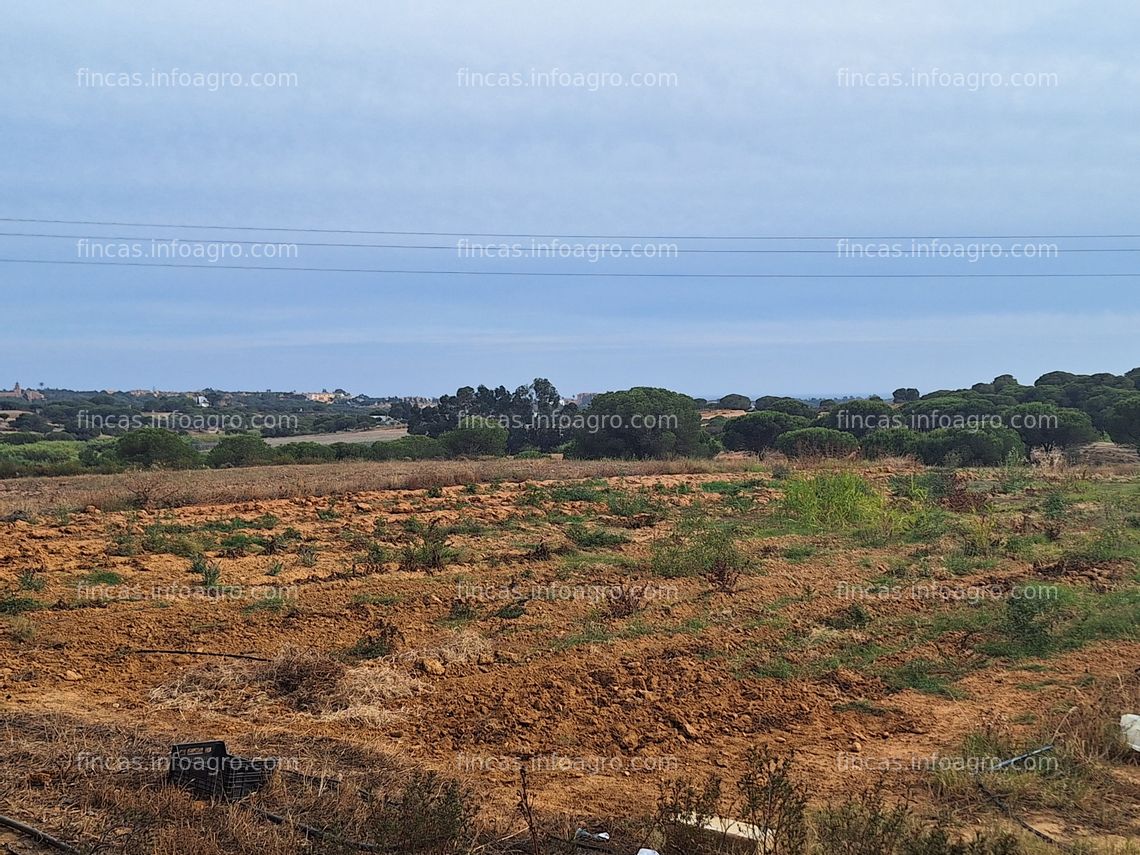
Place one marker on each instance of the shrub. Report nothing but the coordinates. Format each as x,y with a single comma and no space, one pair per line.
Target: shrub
372,560
409,448
771,800
865,825
208,571
428,814
631,506
10,605
377,643
832,501
427,549
626,600
484,441
593,538
306,452
701,547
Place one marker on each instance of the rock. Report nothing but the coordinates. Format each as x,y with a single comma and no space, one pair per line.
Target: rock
363,507
685,728
629,741
432,666
72,676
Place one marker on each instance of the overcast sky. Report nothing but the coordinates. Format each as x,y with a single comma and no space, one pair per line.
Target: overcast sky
751,119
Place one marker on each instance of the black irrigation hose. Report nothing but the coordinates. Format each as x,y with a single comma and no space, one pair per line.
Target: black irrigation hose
1041,835
310,831
200,653
581,844
37,835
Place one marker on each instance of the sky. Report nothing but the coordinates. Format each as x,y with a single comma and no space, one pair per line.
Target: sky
679,124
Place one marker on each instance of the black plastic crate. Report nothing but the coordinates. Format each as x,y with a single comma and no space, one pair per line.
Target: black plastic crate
209,770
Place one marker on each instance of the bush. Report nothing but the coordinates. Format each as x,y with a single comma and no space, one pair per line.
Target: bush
409,448
701,547
593,538
427,549
817,442
832,501
306,452
482,441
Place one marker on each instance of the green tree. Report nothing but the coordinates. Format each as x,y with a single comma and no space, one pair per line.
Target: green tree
32,422
817,442
859,417
305,452
156,447
408,448
241,450
736,402
892,442
1043,425
990,446
759,431
791,406
641,422
1123,420
476,441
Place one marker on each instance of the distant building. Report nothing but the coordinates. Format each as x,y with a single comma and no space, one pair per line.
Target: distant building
24,394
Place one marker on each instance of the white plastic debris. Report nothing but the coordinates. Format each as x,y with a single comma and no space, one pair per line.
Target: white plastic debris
600,837
1130,730
742,836
648,852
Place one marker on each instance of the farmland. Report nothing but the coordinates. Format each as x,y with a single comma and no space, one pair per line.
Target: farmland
609,627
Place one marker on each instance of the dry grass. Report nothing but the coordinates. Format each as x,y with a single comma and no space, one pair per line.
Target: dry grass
458,647
295,681
102,788
229,486
1090,730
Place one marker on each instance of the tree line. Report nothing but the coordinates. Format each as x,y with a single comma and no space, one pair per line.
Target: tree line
983,425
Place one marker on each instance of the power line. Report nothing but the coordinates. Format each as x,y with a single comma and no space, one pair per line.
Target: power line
574,274
454,248
541,235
